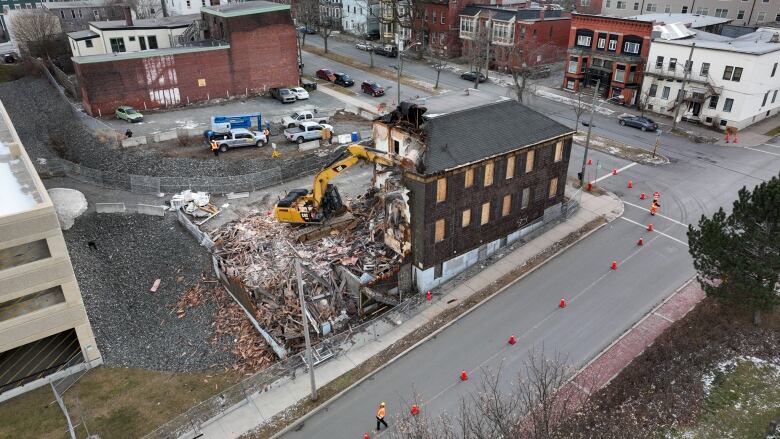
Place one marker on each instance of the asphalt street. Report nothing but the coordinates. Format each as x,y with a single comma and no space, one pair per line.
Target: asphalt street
603,303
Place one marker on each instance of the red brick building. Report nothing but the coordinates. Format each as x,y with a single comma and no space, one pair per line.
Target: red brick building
239,49
531,36
439,25
610,50
588,6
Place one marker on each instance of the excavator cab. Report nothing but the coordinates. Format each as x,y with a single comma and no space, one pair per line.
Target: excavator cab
298,206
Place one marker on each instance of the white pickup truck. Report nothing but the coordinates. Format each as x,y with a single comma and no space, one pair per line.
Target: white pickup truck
306,131
303,116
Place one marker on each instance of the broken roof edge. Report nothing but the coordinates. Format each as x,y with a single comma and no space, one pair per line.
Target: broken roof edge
491,157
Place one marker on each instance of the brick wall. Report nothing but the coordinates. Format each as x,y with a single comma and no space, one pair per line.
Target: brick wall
425,211
154,82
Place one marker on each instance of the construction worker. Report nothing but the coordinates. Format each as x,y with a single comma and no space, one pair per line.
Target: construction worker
128,133
326,135
654,207
266,132
215,148
380,416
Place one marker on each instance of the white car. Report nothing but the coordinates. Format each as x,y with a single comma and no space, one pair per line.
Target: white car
300,93
364,46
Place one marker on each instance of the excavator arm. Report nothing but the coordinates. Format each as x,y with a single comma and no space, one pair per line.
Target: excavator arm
356,153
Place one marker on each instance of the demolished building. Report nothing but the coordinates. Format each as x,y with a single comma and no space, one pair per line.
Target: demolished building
487,170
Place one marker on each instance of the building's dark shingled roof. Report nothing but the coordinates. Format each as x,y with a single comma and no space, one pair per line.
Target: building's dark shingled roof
471,135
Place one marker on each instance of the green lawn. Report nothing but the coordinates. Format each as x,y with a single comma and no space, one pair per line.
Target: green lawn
744,397
115,403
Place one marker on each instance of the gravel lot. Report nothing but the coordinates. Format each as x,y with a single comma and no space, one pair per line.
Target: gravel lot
49,129
133,326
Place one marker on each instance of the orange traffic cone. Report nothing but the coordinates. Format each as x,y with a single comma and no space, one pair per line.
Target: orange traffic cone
590,161
428,296
463,375
562,304
630,184
735,139
614,171
614,265
641,241
650,227
366,436
415,410
590,186
642,196
512,339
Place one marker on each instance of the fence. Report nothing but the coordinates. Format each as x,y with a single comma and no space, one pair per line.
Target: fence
144,184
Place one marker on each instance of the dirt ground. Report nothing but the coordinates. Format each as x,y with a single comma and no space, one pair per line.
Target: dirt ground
662,391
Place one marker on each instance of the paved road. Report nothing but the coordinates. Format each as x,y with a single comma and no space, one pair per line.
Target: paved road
603,303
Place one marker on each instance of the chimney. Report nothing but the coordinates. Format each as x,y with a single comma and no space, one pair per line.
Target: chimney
128,16
775,38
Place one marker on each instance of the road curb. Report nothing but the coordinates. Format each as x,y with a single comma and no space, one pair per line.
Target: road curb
439,330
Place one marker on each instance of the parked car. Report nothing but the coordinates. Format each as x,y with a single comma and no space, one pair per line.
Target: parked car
471,76
306,131
343,80
387,50
326,74
283,95
372,35
306,30
238,137
643,123
129,114
300,93
364,46
372,88
304,116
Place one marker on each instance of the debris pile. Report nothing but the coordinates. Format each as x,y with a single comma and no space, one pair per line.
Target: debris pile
197,204
258,253
230,322
194,296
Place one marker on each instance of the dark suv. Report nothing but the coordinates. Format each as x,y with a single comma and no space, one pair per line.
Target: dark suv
388,51
343,80
372,88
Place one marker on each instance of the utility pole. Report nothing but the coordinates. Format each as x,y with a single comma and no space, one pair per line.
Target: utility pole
587,138
305,318
681,95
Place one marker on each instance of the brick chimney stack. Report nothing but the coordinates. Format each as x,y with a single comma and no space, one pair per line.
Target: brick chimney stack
128,15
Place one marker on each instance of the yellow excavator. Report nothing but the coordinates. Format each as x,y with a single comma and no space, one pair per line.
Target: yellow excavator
322,207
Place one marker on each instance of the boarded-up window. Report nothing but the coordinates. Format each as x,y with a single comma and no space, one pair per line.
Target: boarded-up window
507,206
526,198
469,178
488,174
510,167
441,190
558,151
439,235
529,161
466,221
553,187
485,213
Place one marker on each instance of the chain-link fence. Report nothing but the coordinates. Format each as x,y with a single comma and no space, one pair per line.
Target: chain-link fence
143,184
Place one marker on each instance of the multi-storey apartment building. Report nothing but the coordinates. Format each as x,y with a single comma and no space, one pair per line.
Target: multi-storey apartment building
741,12
360,17
608,51
44,329
731,82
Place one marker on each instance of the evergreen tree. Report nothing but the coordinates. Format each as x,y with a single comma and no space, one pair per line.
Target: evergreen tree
737,256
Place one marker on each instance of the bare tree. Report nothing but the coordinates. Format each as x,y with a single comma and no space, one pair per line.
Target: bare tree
37,32
402,16
644,98
326,24
145,9
580,106
477,47
438,62
306,14
525,59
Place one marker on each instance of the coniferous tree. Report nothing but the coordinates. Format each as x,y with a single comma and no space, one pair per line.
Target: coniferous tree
737,256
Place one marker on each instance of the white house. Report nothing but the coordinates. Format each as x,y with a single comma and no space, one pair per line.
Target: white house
129,35
360,16
185,7
732,82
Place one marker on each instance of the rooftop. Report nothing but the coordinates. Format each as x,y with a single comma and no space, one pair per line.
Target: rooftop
80,4
244,8
461,129
755,43
695,21
150,23
83,34
198,46
22,189
506,14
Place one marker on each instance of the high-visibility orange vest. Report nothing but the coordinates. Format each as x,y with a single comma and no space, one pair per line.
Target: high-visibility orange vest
380,413
214,146
653,208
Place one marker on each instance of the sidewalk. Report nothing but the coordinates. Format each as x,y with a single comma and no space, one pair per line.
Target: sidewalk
262,406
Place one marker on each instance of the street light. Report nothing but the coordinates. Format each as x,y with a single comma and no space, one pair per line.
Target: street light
398,69
593,109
